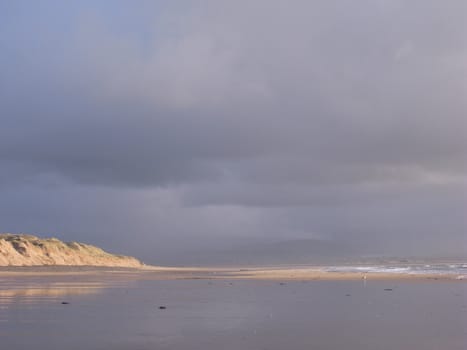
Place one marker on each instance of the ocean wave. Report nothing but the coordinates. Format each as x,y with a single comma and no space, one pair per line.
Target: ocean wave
408,269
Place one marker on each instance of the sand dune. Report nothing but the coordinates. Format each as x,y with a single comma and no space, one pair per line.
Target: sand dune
28,250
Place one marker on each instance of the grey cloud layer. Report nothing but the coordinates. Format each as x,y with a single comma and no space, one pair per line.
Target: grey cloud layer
310,84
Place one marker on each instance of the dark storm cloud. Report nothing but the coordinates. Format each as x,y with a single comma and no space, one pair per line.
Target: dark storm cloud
258,104
362,86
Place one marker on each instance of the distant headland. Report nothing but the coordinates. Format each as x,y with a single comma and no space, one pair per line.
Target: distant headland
28,250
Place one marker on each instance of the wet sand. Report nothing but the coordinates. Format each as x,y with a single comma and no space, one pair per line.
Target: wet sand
225,309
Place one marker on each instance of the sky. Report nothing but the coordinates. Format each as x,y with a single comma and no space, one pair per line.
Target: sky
166,129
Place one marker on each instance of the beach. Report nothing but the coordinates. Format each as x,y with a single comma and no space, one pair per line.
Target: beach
221,308
346,272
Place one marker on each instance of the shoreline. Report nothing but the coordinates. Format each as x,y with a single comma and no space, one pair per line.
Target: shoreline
317,273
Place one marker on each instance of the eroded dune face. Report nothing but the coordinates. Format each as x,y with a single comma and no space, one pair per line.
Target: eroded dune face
27,250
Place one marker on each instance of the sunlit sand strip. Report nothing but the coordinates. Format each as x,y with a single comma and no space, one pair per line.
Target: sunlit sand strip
317,274
258,273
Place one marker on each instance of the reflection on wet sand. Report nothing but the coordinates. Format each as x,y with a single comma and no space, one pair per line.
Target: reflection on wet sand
35,292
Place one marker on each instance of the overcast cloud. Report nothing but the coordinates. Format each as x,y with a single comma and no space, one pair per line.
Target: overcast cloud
154,128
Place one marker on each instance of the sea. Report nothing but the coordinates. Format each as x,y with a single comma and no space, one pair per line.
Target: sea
456,269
